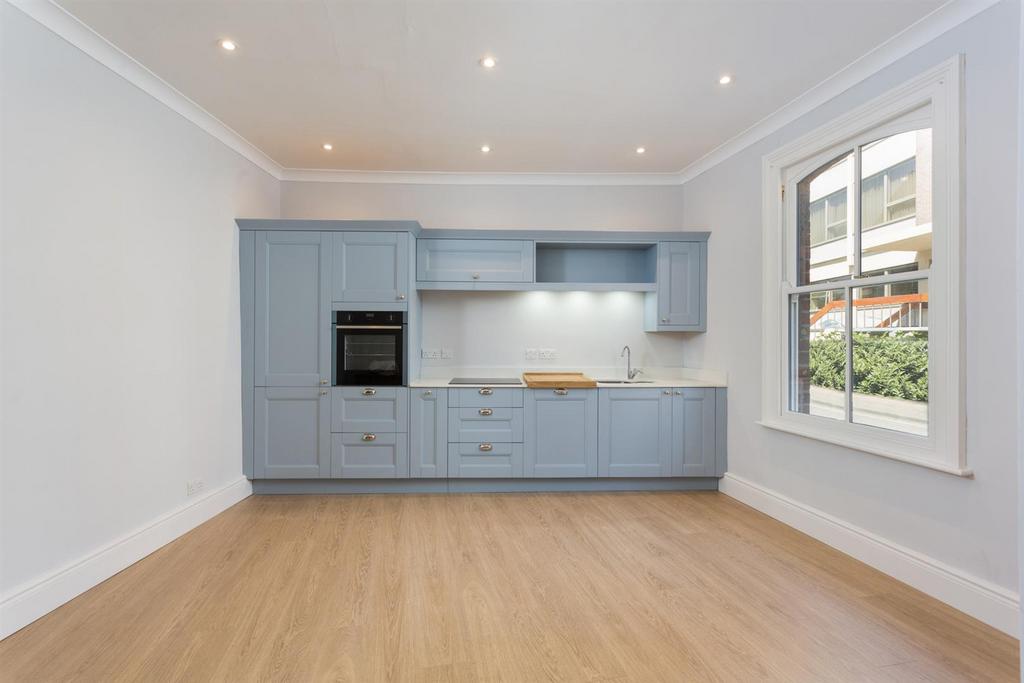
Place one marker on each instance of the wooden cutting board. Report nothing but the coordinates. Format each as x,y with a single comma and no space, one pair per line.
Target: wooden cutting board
558,380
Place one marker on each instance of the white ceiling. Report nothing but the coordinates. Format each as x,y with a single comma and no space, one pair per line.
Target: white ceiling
395,84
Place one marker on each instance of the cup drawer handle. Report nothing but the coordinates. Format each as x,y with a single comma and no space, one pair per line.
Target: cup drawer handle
486,447
369,392
486,391
369,437
486,412
561,392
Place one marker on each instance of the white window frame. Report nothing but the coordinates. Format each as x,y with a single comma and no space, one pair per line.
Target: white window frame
940,91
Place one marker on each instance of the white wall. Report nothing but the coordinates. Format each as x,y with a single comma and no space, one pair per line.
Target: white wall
588,330
1020,317
491,206
968,524
120,337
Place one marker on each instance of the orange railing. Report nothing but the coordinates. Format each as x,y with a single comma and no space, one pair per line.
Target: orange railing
904,301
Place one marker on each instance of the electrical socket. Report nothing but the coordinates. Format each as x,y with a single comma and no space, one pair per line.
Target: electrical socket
549,354
431,354
532,354
194,486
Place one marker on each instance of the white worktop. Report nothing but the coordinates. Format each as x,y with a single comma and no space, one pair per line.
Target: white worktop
654,378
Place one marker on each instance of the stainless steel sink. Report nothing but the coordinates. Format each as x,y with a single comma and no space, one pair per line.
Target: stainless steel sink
625,381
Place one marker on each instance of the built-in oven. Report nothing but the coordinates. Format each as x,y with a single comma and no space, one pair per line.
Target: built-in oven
369,348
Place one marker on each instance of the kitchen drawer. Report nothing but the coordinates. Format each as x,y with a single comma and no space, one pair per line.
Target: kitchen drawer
485,459
455,260
370,409
370,455
467,425
485,397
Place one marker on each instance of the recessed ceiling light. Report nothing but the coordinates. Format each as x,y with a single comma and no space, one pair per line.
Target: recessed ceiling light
328,146
228,45
725,80
485,149
641,150
488,62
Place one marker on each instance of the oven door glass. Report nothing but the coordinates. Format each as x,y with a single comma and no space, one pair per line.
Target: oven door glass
370,357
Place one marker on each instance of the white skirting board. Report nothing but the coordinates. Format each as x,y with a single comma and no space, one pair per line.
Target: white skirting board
27,603
985,601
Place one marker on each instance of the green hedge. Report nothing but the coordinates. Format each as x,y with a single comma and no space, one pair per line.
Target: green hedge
891,364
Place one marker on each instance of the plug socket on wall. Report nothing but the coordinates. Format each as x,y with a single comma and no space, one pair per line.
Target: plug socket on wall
194,486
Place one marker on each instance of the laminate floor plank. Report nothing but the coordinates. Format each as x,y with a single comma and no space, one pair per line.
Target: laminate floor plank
503,587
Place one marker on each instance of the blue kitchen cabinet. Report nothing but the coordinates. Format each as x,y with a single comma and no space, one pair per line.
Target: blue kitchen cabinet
292,309
467,425
369,409
292,433
634,432
485,460
370,455
428,433
370,267
485,397
561,433
680,302
694,432
483,260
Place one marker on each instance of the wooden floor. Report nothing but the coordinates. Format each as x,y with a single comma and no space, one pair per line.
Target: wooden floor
521,587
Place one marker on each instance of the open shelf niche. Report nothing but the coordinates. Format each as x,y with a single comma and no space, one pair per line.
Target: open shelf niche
611,265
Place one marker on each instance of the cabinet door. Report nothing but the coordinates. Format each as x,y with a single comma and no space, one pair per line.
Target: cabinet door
369,409
292,310
370,267
292,437
428,433
485,460
370,455
561,433
468,425
634,432
694,432
446,260
682,286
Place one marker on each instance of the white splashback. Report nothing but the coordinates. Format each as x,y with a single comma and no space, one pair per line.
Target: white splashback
588,329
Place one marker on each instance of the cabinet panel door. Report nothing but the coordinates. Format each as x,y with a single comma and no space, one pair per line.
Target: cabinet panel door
292,436
561,433
370,455
370,267
693,432
634,432
428,433
369,409
453,260
485,397
682,284
467,425
292,310
485,460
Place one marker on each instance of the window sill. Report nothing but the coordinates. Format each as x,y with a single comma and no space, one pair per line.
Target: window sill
878,449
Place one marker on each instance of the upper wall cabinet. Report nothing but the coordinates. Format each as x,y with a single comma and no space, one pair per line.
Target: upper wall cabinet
292,309
680,302
458,260
370,267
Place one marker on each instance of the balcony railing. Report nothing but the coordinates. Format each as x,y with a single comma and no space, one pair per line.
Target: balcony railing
903,312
